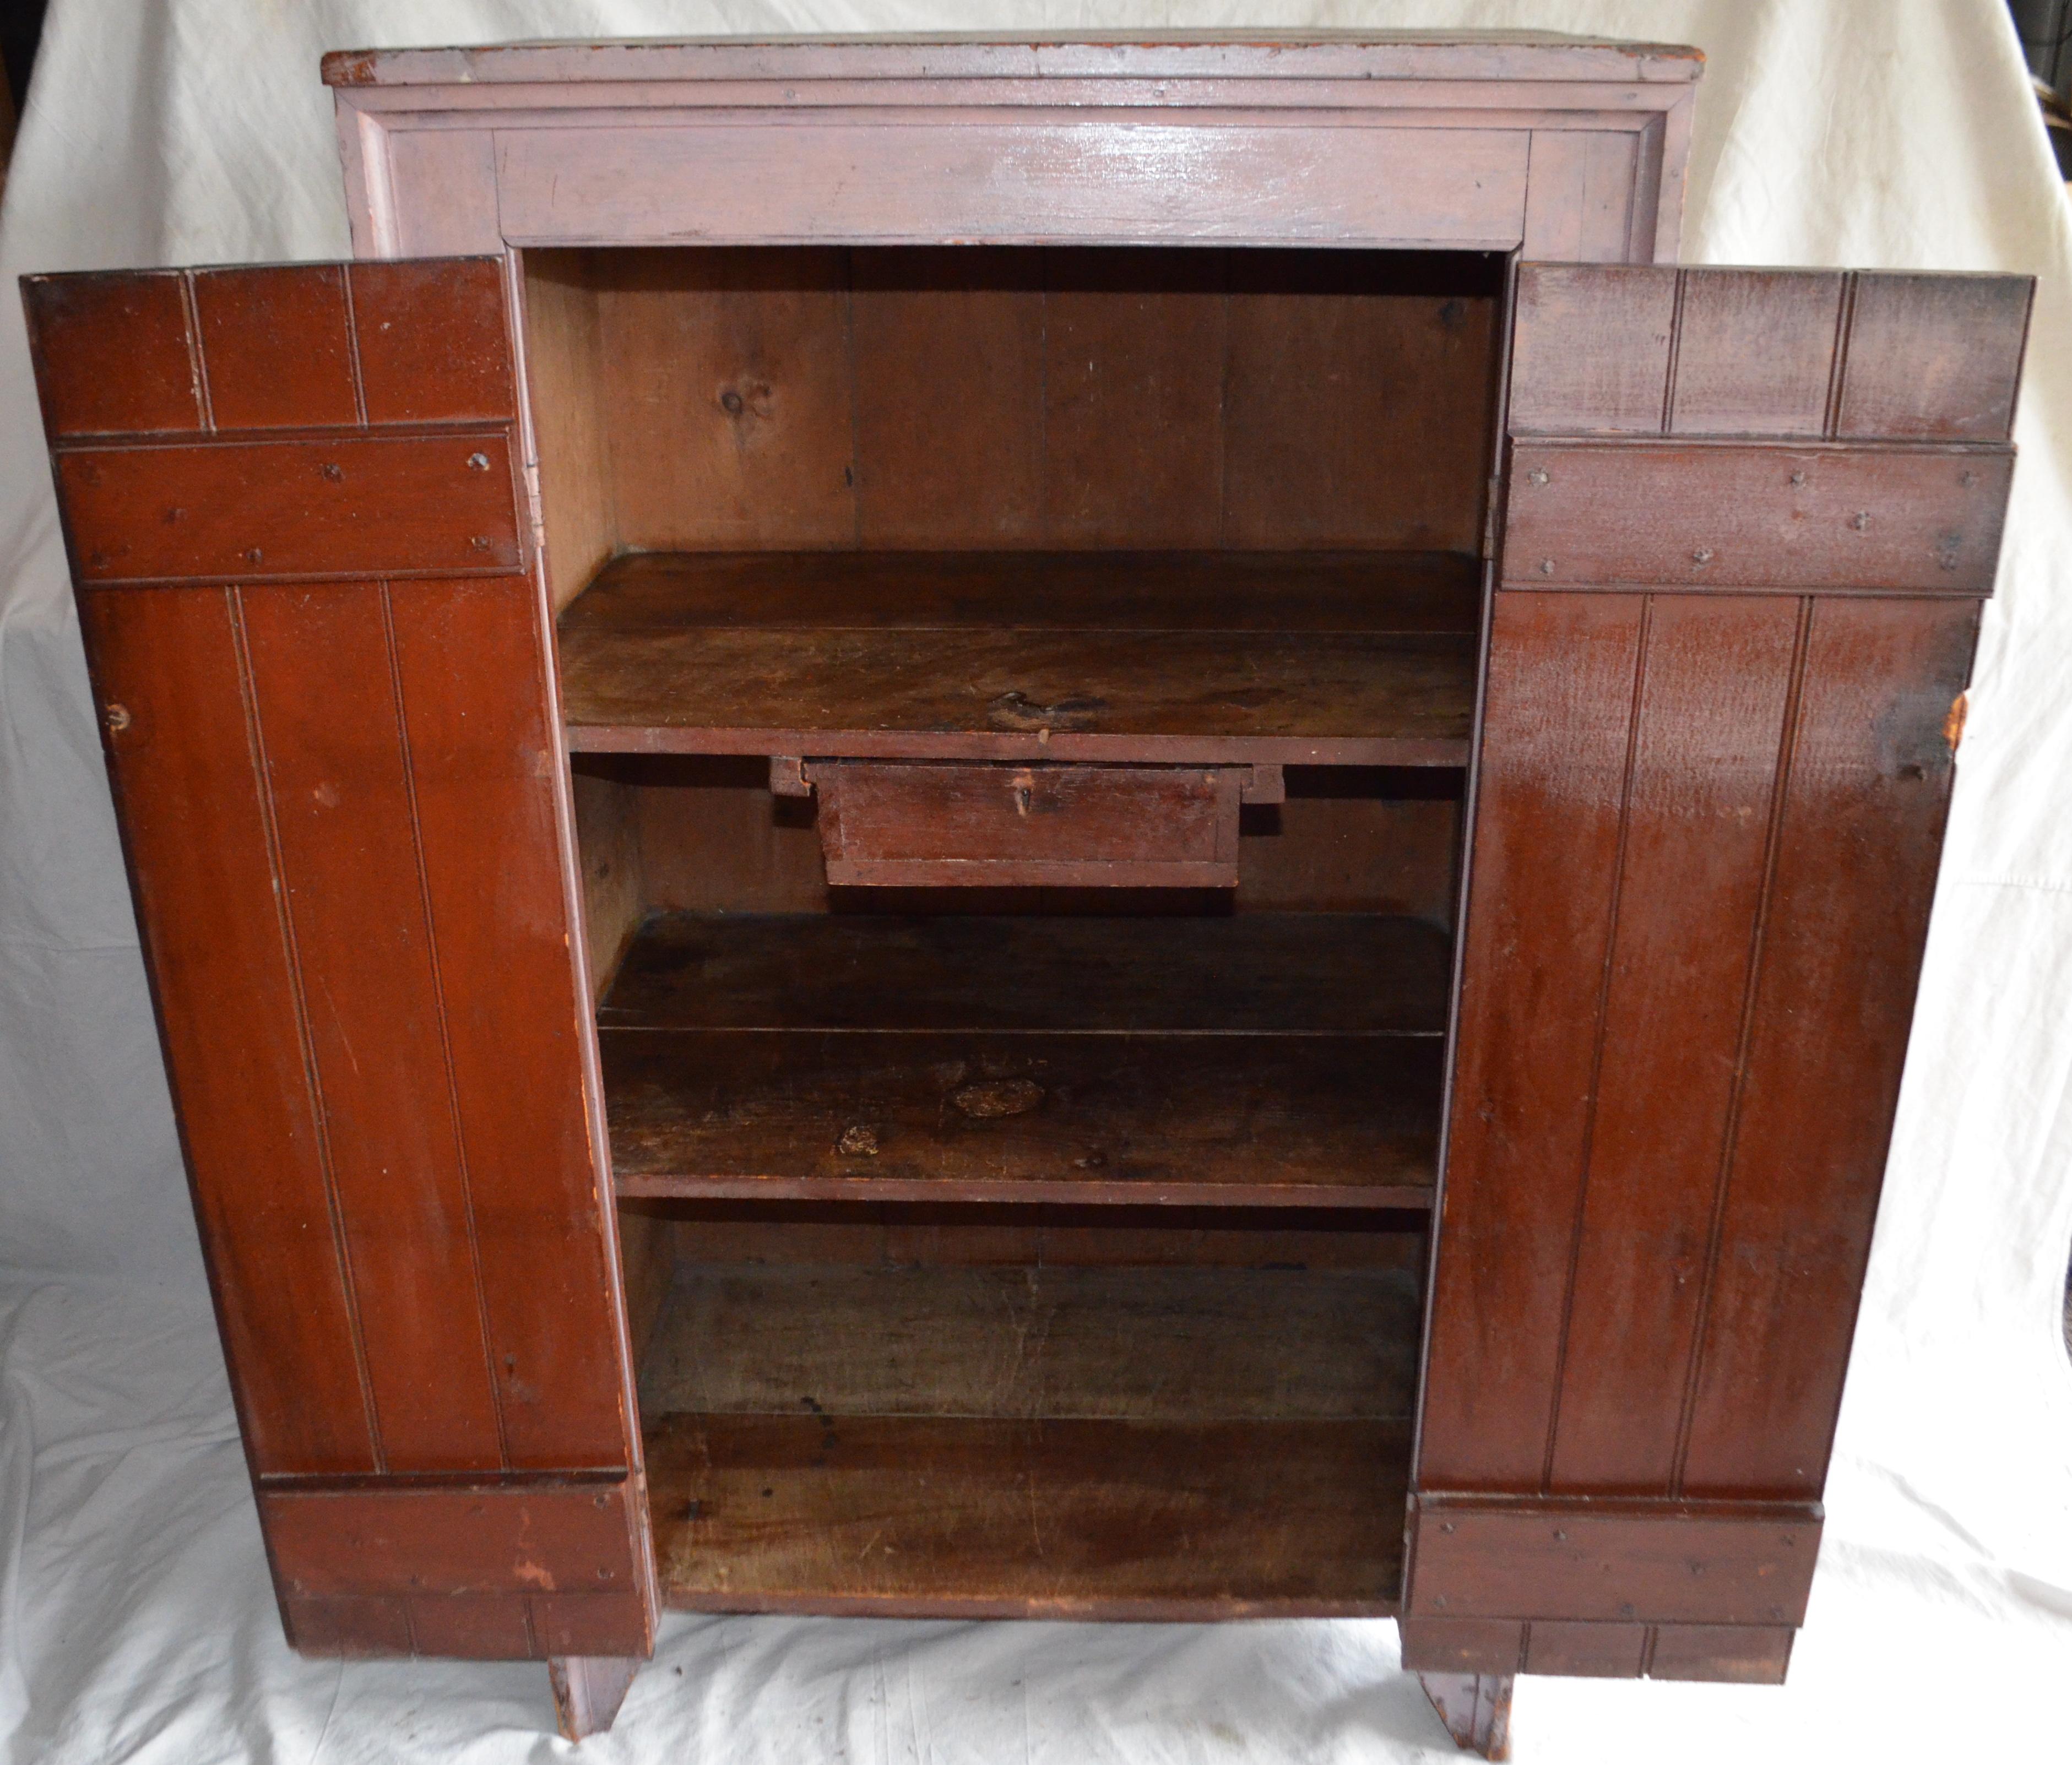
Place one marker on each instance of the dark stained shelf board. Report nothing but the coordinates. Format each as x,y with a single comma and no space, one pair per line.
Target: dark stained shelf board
1376,592
1037,1343
1324,658
1117,1441
1348,1121
1311,974
981,1516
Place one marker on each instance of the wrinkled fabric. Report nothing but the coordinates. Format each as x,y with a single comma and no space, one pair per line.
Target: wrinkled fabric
136,1620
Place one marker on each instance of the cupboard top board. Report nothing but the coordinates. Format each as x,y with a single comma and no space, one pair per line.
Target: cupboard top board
1573,149
1251,53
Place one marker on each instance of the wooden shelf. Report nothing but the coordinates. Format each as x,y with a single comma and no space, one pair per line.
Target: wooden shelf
1121,1442
1171,1120
970,1517
1358,658
1272,1060
1232,975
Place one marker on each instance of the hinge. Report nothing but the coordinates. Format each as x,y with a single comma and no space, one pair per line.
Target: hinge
1493,496
535,507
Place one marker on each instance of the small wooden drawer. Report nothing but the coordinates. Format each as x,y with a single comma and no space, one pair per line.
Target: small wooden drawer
905,823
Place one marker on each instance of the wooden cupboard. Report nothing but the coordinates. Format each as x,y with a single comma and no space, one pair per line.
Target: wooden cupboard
991,828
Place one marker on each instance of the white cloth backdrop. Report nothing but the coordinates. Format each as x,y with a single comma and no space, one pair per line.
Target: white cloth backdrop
135,1619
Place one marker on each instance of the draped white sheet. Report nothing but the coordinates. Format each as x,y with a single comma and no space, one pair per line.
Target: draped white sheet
135,1618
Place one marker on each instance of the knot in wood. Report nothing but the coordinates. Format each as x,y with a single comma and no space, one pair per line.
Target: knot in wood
1017,711
996,1097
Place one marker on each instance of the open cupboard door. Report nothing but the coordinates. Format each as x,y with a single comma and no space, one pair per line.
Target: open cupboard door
294,503
1749,520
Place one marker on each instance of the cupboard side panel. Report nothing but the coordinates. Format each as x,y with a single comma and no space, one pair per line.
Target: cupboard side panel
1716,683
325,708
170,681
1859,839
1564,673
564,370
471,680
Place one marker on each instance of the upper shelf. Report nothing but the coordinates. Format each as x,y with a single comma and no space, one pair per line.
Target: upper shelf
1348,658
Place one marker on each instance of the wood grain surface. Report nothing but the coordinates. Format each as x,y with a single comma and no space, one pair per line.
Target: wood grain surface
976,662
981,1518
1013,399
1005,826
1181,1121
1037,1344
1675,1075
530,1536
338,802
1725,517
1256,974
1612,1562
1378,592
1736,1654
348,505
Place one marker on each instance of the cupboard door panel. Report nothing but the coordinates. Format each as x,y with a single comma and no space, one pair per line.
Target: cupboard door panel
1706,829
485,821
350,870
339,801
1713,684
173,692
1559,706
1860,816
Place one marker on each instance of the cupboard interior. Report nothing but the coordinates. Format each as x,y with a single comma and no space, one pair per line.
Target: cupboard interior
1026,1411
1152,1144
1242,493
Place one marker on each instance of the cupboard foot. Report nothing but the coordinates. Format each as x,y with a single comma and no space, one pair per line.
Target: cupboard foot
589,1689
1475,1708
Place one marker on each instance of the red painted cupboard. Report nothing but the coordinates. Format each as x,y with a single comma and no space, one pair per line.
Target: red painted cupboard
1000,829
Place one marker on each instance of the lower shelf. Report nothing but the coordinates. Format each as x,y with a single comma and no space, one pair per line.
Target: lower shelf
983,1517
1005,1439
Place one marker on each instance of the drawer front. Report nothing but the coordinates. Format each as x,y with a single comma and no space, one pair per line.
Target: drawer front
991,825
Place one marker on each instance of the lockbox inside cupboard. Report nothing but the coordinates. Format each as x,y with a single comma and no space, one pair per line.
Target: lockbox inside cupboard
1017,828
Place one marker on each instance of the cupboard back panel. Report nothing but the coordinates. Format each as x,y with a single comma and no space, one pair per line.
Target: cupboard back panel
964,397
